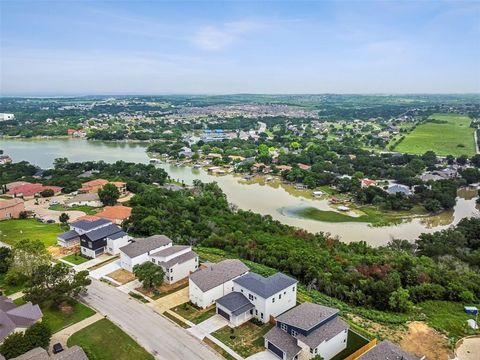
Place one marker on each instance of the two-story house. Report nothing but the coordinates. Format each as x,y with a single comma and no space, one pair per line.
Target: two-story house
210,283
95,237
269,297
306,331
177,261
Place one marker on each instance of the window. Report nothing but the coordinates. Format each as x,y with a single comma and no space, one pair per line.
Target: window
261,315
311,351
250,297
316,350
153,260
273,300
256,312
232,288
284,293
90,244
284,327
279,296
294,333
293,288
241,290
171,270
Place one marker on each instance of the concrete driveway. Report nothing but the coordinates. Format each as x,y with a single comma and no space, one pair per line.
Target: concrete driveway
167,302
263,355
43,212
208,326
105,270
159,336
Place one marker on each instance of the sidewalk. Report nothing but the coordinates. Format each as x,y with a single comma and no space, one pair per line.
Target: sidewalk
16,296
63,335
224,347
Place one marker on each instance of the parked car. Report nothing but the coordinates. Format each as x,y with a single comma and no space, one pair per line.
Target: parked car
57,348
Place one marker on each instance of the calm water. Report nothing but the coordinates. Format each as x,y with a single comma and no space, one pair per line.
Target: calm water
265,198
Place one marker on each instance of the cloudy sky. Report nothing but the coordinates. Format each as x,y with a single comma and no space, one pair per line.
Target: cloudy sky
163,47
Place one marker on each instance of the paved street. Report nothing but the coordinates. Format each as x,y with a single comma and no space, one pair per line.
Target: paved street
155,333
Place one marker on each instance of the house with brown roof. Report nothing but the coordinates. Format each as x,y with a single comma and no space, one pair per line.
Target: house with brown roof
116,214
11,209
16,317
93,186
367,183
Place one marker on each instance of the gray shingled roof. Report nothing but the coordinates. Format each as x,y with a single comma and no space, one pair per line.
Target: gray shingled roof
283,341
307,315
180,259
73,353
387,351
170,251
218,274
141,246
104,231
236,303
70,234
265,287
86,225
324,332
83,197
13,316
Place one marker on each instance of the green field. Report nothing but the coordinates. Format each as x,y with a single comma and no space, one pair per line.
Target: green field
75,259
89,210
104,340
12,231
58,320
454,137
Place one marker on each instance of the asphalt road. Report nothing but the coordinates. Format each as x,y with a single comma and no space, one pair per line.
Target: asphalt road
156,334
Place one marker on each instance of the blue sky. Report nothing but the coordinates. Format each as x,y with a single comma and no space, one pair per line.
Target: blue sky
162,47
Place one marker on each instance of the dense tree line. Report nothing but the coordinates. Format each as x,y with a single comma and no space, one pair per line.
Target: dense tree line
391,277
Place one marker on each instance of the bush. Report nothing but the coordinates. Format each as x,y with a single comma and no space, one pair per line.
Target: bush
38,335
14,345
47,193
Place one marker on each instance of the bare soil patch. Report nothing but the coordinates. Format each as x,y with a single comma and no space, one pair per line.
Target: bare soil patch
122,276
424,340
66,309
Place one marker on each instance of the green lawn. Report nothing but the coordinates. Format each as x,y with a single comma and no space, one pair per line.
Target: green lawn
104,340
12,231
448,317
57,319
452,138
89,210
192,313
354,342
246,340
75,259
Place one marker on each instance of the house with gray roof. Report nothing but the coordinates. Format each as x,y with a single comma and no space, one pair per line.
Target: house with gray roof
213,281
72,353
386,350
88,199
16,317
178,261
95,237
270,297
306,331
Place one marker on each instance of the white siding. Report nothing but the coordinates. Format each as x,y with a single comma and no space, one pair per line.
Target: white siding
207,298
264,308
327,349
180,271
128,263
113,246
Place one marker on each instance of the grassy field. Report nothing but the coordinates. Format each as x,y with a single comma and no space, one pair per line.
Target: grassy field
75,259
9,289
454,137
370,215
246,340
58,319
104,340
448,317
195,315
85,208
12,231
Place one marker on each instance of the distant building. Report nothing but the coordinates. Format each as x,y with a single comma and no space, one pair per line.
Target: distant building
5,159
6,117
397,188
367,183
93,186
11,209
27,190
117,214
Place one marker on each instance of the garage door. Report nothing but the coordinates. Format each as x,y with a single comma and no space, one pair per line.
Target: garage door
275,350
223,313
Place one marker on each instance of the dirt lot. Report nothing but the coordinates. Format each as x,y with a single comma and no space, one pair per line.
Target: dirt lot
122,276
423,340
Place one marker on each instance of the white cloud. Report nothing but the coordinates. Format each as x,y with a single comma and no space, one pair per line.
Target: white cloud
218,37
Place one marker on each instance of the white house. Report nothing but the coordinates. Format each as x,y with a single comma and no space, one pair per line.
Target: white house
216,280
269,297
306,331
177,261
138,250
6,116
88,199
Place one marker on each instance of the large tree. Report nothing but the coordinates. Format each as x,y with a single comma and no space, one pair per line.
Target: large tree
109,194
28,256
55,284
149,274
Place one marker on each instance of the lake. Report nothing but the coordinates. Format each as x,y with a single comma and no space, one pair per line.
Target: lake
272,199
